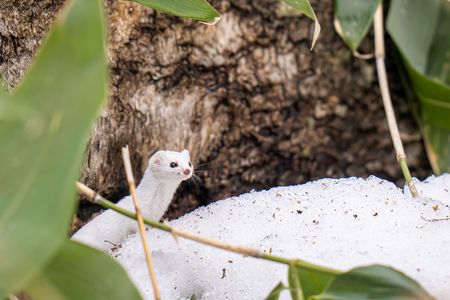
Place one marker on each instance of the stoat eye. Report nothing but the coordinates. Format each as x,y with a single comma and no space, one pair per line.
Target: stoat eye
173,165
190,165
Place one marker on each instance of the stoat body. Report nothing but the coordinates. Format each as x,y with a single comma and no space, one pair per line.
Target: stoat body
165,172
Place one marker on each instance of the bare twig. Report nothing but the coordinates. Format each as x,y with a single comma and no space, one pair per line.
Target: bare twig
90,194
436,219
382,78
140,219
363,56
95,198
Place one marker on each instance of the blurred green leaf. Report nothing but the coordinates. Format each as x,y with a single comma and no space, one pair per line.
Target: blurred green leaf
304,7
313,282
275,292
44,127
353,19
80,272
295,287
192,9
437,141
371,283
3,91
421,30
193,297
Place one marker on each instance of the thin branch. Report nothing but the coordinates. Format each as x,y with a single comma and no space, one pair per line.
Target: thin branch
436,219
384,87
363,56
95,198
140,219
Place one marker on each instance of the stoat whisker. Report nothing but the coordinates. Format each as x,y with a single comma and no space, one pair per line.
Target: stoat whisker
201,165
189,182
196,178
197,181
193,182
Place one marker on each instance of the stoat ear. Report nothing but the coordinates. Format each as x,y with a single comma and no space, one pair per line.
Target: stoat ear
185,154
156,158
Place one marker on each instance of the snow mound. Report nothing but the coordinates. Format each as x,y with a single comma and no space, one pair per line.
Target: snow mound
339,223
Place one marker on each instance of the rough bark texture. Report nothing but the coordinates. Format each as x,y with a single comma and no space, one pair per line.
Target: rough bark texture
246,96
23,25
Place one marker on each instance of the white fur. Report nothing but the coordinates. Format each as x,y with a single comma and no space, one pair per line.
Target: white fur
155,192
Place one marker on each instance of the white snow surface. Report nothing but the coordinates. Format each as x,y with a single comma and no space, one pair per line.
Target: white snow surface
339,223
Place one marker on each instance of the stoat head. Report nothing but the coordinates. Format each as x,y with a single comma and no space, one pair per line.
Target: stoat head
171,165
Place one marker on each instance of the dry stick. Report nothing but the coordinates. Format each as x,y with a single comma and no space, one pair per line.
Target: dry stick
436,219
92,196
382,78
140,219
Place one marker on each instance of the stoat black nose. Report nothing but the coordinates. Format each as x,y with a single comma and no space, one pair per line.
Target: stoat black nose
186,171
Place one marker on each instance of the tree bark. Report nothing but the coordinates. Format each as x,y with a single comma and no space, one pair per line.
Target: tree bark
246,96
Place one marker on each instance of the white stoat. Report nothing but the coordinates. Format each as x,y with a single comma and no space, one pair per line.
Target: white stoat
165,171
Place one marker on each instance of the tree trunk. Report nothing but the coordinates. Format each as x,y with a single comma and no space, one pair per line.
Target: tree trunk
246,96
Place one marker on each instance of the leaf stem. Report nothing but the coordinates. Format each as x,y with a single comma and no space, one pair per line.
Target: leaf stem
246,251
140,220
387,102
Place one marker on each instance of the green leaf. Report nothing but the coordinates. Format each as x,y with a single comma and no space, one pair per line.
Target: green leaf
79,272
353,18
420,30
44,126
371,283
304,7
295,286
437,145
193,297
3,91
276,291
192,9
313,282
